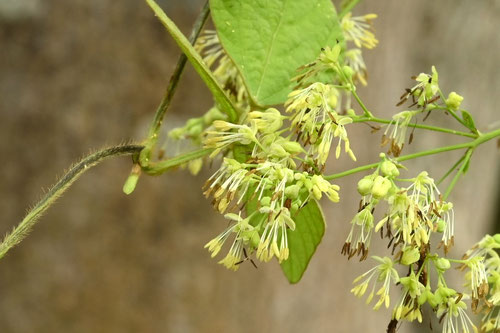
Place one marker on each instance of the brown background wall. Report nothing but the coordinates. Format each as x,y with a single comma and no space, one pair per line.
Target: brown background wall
80,74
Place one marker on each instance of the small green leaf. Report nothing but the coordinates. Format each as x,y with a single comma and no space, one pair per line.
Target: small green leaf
469,122
194,58
303,241
269,39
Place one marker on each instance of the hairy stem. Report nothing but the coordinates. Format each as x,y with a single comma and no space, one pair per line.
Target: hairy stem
23,229
154,129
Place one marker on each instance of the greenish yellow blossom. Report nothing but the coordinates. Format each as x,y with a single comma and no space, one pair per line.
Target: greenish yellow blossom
454,101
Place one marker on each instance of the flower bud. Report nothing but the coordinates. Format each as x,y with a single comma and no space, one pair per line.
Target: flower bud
278,151
365,185
292,147
195,130
497,238
410,256
348,71
195,165
381,187
454,100
292,191
268,121
389,169
442,264
441,226
265,201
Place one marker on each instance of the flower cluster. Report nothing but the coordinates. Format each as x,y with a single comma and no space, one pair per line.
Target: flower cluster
483,279
265,175
414,212
272,165
276,191
425,96
316,121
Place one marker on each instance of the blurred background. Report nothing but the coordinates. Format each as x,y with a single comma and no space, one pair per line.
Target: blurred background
82,74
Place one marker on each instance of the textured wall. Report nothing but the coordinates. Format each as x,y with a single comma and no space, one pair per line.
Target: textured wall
80,74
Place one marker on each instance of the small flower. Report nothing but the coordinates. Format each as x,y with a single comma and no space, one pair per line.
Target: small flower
385,274
408,307
274,239
478,279
425,90
231,180
316,121
268,121
354,59
399,123
452,312
359,30
327,60
226,133
358,240
244,233
447,218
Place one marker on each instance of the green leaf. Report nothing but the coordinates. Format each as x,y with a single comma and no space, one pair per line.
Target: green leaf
194,58
269,39
303,241
469,122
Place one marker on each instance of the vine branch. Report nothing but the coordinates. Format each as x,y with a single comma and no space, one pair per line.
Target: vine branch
171,89
24,227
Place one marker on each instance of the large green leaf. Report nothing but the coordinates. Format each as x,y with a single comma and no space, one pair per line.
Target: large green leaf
269,39
303,241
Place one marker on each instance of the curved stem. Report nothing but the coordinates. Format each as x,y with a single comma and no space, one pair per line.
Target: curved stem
366,112
23,229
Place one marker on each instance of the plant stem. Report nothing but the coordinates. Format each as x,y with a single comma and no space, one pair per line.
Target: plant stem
471,145
23,229
158,168
154,129
348,7
460,171
366,112
450,170
223,101
425,127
